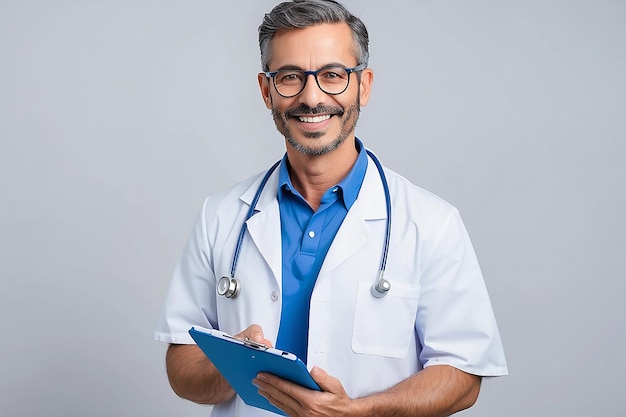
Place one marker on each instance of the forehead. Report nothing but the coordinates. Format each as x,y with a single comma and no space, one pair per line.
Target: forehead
313,47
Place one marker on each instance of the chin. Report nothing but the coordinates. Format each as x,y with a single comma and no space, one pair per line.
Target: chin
320,148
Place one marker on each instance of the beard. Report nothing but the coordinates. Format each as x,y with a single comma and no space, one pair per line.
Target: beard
348,119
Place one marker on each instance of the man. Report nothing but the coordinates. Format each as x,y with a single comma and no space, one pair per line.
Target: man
311,253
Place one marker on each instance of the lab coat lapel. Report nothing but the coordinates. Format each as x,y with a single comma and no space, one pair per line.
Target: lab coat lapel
355,230
264,226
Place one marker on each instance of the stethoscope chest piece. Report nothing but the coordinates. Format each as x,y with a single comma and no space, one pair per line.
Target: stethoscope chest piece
380,288
228,287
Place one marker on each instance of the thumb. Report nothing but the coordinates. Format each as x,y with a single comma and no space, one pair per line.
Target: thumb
326,382
255,332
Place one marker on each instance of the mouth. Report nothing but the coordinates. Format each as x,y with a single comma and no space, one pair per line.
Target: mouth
308,115
314,119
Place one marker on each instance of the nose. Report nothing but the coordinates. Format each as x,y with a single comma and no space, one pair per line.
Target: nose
311,95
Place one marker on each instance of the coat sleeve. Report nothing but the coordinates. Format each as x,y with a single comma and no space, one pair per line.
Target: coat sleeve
190,299
455,321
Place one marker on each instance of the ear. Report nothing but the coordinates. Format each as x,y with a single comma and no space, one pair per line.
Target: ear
367,78
264,84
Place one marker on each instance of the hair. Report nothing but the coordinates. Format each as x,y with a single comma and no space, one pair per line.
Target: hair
298,14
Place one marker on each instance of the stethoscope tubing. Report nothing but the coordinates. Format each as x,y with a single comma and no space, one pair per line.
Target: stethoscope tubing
383,178
253,204
381,286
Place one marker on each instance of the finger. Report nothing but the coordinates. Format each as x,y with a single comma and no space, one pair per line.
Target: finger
326,382
281,393
276,403
299,400
255,332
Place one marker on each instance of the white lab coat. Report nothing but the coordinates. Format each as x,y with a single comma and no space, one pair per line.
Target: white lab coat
437,311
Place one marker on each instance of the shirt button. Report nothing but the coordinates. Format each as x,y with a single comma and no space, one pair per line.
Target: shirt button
274,296
311,234
335,189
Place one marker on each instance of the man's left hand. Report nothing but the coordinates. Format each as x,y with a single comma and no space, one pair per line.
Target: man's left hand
298,401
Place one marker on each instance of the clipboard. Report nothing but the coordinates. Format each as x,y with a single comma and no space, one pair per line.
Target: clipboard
240,361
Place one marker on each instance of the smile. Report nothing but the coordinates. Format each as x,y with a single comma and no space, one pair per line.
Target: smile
314,119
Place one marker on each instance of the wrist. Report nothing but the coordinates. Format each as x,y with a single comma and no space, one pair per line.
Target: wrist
364,407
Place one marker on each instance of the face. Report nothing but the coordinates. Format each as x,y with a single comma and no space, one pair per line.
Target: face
313,122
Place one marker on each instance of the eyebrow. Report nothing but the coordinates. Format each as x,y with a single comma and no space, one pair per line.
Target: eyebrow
297,68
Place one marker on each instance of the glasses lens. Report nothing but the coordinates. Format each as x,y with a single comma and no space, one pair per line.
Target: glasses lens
331,80
289,82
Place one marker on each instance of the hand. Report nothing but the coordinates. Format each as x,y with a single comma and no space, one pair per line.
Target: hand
255,333
298,401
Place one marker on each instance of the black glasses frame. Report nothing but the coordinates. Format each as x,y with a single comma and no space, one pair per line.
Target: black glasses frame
272,75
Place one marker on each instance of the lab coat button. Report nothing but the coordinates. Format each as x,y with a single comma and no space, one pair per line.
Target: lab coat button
274,296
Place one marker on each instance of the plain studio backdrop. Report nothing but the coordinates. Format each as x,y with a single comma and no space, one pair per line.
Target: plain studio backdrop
118,117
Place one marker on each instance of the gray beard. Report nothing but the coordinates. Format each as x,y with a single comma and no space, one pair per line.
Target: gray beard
281,125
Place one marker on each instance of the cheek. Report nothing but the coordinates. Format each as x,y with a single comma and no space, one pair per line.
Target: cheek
279,103
352,109
354,98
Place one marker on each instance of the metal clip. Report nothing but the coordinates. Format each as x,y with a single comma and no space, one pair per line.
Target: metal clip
249,342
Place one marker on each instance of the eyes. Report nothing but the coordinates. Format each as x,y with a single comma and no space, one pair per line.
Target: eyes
330,75
331,79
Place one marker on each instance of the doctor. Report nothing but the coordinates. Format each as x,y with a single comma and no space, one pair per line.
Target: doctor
311,252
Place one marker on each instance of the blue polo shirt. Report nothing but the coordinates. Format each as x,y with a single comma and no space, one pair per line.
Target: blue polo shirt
306,237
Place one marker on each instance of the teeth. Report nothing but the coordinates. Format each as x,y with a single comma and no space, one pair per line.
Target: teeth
314,119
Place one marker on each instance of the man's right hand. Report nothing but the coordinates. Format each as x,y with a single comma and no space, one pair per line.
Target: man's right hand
255,333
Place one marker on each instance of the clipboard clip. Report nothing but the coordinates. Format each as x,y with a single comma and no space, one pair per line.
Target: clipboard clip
251,343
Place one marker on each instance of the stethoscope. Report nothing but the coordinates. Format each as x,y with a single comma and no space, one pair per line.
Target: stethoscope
230,287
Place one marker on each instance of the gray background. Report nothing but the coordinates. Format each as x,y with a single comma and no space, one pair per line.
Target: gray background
118,117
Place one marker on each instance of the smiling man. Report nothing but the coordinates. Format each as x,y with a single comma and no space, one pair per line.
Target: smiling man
324,111
315,96
305,274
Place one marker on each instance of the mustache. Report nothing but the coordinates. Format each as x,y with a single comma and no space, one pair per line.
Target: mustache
304,110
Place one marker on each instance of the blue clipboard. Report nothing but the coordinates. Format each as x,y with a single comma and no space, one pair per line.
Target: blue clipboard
240,361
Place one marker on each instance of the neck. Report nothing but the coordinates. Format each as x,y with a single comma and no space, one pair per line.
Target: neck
313,175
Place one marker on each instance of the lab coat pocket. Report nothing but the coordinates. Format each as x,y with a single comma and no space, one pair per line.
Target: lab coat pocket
384,326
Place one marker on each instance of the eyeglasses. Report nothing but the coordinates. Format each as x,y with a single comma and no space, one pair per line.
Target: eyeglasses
331,80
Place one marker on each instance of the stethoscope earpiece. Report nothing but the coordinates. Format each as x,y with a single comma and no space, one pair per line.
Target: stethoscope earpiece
228,287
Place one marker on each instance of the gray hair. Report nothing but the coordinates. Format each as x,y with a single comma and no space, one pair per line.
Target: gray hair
304,13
